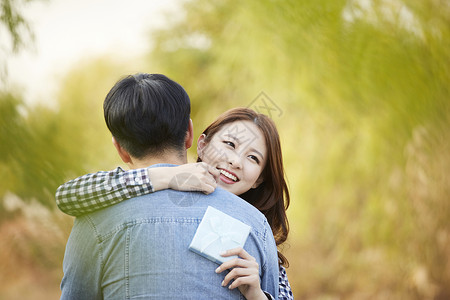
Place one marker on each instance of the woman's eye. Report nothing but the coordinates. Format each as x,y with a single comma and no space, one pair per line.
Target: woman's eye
254,158
231,144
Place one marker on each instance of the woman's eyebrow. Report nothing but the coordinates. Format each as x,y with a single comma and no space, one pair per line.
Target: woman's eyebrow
257,152
232,136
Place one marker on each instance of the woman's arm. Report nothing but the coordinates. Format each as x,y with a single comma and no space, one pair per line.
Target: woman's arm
285,291
95,191
245,276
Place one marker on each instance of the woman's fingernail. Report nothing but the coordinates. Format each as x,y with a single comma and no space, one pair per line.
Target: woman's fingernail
223,253
218,270
223,283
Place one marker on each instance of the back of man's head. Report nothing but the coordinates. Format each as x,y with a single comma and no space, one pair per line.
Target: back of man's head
148,114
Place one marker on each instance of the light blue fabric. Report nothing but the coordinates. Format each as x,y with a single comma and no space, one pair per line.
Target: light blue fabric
138,249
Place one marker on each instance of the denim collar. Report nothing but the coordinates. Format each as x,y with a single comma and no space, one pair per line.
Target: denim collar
162,165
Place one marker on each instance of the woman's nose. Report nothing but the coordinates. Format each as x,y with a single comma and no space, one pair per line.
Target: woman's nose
235,161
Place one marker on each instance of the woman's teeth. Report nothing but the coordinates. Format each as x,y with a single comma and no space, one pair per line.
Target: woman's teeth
228,175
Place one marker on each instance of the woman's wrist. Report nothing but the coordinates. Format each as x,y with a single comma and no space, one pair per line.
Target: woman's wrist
259,295
256,294
160,177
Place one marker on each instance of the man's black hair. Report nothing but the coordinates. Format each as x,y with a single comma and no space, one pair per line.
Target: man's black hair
148,114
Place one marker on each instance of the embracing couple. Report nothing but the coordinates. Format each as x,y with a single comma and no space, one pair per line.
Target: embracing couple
133,228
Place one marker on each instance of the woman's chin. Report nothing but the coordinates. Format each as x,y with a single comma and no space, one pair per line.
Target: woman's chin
232,188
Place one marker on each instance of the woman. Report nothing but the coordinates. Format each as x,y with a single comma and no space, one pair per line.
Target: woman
240,152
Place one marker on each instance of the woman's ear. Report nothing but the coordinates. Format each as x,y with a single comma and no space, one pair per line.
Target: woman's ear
258,182
201,143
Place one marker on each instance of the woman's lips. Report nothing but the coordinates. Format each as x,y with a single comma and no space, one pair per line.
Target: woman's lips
228,177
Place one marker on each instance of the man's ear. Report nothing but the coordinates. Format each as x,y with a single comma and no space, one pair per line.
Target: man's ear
189,135
124,155
201,145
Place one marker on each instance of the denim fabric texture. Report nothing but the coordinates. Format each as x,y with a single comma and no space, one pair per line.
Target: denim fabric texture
138,249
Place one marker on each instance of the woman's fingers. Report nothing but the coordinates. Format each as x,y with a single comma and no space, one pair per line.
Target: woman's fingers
245,260
239,251
206,176
193,177
237,262
215,173
250,280
244,269
208,186
242,275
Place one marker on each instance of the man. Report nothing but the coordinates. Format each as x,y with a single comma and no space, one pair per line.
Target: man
139,247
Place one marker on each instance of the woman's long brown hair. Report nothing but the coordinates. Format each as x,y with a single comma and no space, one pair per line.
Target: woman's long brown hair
272,196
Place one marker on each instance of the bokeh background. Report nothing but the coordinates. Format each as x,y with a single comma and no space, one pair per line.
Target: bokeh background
359,90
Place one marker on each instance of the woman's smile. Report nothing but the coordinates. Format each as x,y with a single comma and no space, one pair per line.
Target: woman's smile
228,177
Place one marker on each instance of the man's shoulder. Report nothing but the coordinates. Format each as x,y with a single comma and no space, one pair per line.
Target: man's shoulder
230,198
171,203
236,207
197,202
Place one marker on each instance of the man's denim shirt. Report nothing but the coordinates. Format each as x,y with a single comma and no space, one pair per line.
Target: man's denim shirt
138,249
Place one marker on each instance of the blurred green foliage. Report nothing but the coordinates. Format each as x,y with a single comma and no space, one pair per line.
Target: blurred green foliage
14,24
26,141
15,31
363,88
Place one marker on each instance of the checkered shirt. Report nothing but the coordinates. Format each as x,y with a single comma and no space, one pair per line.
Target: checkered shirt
285,291
92,192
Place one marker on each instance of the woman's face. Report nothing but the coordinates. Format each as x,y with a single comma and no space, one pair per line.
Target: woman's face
239,151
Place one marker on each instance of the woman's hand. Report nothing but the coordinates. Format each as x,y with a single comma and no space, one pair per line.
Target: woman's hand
188,177
244,273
